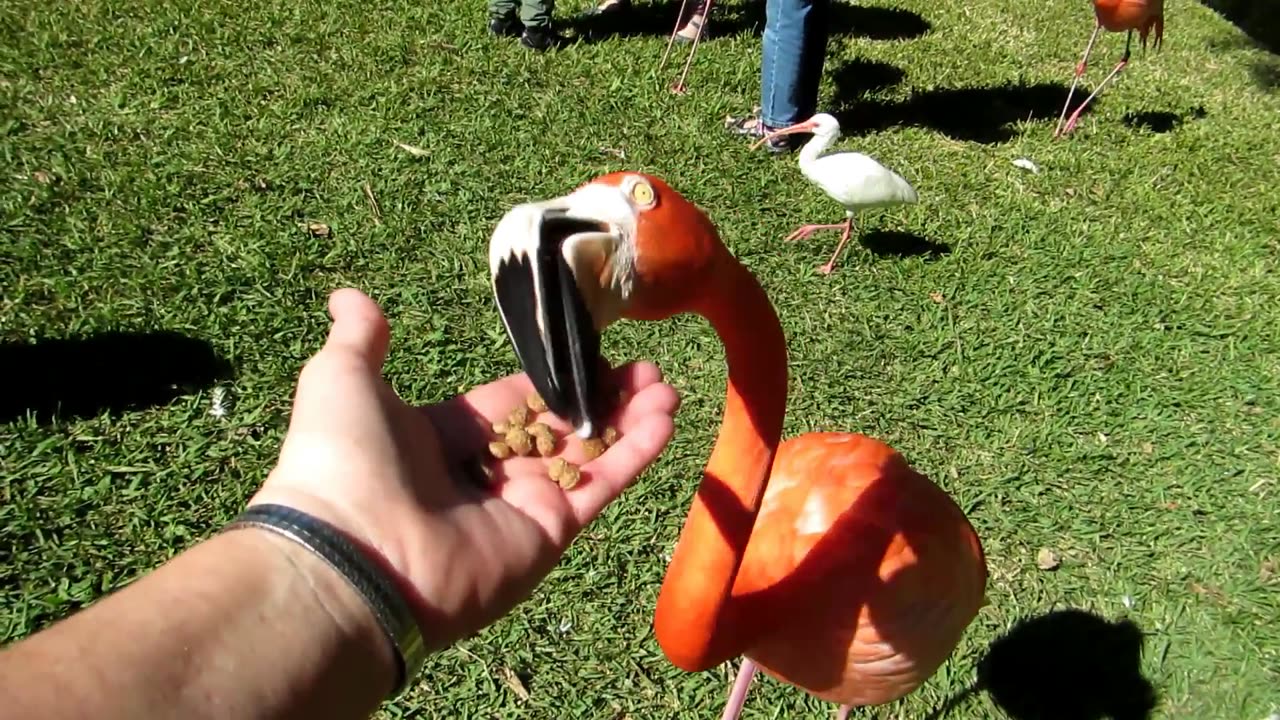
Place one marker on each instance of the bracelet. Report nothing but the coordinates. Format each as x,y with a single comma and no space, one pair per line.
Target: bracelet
332,546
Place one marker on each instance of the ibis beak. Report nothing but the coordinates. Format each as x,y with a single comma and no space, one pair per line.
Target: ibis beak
560,275
806,126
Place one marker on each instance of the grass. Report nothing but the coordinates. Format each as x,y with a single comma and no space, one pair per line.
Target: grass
1087,357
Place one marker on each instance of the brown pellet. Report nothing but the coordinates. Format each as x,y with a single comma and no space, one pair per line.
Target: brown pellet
564,473
610,436
520,441
536,403
544,439
593,447
500,450
501,428
519,417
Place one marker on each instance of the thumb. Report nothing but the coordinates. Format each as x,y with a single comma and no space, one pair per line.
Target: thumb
359,327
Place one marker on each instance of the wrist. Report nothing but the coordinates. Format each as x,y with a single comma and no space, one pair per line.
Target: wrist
319,595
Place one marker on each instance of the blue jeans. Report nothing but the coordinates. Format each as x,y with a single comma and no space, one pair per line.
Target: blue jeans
795,46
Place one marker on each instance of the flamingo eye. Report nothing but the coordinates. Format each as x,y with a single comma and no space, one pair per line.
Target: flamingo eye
642,193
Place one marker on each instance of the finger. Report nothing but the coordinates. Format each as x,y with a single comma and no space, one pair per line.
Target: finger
358,327
466,422
615,470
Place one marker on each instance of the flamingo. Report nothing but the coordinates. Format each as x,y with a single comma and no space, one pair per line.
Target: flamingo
826,561
852,179
1115,16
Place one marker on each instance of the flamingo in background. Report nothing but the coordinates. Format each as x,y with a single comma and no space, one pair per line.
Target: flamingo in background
700,16
825,560
1114,16
854,180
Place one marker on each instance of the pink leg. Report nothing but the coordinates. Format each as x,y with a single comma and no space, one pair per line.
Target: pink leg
844,712
679,88
671,40
848,230
1071,121
1084,61
806,230
733,708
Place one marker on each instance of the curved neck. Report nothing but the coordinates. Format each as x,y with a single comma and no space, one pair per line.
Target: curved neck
813,149
690,623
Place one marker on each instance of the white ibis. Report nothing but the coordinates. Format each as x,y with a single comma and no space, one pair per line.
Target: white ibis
852,179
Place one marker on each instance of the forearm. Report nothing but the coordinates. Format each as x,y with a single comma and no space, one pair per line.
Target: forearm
245,625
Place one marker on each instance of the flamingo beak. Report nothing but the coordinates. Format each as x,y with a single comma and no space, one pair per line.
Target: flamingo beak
806,126
554,277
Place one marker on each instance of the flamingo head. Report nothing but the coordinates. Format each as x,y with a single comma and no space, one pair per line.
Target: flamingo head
624,245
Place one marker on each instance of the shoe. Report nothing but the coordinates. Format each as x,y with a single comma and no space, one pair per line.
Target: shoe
541,39
752,127
611,7
506,27
697,20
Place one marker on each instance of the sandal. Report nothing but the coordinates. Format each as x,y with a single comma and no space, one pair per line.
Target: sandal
697,20
751,126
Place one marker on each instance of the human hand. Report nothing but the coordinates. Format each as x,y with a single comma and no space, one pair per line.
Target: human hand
391,476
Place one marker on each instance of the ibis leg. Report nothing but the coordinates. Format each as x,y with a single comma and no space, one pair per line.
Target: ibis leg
831,264
1071,121
671,40
679,88
1084,62
805,231
738,695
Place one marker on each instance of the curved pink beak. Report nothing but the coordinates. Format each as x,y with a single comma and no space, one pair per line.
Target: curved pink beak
806,126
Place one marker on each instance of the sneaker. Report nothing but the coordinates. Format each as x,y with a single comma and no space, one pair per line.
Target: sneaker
506,27
541,39
754,128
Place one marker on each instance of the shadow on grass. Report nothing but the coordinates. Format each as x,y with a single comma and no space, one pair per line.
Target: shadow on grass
1260,23
980,114
658,19
898,244
1161,121
114,371
1064,665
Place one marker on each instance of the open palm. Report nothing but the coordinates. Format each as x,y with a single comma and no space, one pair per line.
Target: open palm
400,480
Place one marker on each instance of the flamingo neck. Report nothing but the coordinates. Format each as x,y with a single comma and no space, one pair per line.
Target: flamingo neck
690,621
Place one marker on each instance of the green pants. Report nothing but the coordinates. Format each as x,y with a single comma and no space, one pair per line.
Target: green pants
533,13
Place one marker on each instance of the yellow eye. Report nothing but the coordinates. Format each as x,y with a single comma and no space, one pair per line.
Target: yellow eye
642,193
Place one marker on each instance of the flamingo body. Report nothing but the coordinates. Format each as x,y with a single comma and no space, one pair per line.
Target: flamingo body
848,552
1125,15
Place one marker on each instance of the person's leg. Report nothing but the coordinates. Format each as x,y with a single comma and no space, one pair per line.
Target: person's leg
795,47
502,18
536,17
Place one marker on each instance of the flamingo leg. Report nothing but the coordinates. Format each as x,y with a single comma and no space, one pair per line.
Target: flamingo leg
1071,121
848,230
844,712
679,88
1084,62
738,695
671,40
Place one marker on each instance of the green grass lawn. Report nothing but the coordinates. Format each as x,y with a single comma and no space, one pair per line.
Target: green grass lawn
1087,357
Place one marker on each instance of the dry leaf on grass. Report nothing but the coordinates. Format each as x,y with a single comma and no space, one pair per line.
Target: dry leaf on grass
513,681
1047,559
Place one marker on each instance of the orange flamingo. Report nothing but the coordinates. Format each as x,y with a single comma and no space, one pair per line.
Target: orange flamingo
825,560
1115,16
